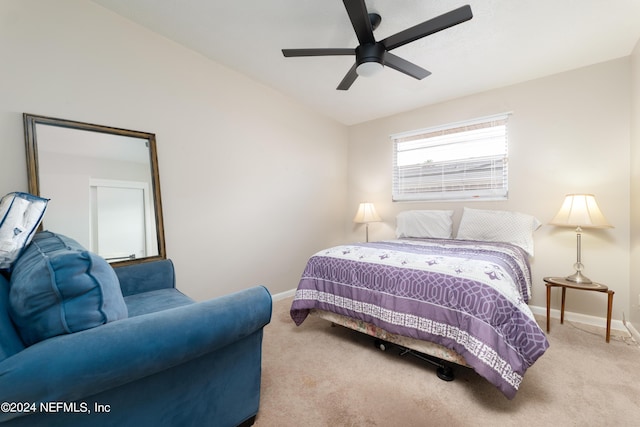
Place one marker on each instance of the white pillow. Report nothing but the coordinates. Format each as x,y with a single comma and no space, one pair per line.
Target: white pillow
498,226
436,224
20,215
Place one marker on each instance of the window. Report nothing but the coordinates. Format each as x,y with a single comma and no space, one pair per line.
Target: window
461,161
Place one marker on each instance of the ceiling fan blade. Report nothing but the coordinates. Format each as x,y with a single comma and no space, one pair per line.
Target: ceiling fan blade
349,78
442,22
318,52
405,66
357,11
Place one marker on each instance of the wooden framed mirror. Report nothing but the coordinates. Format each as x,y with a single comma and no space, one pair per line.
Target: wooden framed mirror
103,185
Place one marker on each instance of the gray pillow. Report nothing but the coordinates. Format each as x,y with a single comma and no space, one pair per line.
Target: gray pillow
20,215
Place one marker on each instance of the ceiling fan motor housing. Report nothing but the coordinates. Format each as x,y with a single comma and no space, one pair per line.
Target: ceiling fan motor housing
370,52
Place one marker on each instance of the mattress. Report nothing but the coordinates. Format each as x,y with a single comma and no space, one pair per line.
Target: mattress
425,347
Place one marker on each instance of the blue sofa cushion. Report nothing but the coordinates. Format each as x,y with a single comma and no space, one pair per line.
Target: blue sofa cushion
57,287
10,342
154,301
146,276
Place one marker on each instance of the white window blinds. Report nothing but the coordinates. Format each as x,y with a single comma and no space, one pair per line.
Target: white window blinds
462,161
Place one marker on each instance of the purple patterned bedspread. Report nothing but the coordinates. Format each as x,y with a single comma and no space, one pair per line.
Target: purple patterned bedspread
467,296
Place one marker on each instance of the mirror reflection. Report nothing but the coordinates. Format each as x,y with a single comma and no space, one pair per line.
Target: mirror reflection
102,183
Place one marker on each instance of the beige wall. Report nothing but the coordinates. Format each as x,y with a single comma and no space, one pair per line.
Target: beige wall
568,133
252,182
634,287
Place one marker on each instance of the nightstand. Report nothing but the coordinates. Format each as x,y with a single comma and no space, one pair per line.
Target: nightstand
563,283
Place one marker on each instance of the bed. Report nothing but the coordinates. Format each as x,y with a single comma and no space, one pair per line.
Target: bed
460,300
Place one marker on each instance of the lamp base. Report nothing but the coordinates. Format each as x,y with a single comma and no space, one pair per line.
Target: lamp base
580,278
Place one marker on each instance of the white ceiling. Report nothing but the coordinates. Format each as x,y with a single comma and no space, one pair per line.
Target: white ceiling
506,42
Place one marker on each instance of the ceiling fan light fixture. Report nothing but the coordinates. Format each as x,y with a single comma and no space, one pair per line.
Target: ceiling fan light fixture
370,59
369,69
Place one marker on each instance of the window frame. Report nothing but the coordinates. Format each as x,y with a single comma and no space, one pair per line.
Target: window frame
481,178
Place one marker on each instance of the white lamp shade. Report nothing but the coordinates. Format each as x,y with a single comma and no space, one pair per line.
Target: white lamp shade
580,210
366,213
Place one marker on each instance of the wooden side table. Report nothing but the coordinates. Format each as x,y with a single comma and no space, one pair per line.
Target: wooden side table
563,283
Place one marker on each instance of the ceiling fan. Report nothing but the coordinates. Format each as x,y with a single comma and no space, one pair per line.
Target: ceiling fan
372,55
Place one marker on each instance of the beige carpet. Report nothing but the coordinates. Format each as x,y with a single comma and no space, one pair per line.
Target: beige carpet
319,375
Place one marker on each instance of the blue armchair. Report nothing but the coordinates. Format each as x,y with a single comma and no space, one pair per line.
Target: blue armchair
170,362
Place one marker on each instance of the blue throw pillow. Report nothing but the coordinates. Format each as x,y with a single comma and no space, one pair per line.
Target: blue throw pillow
58,287
20,215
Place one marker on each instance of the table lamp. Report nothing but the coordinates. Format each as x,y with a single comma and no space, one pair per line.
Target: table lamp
366,214
580,211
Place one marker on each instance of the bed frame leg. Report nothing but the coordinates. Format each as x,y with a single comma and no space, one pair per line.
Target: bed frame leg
444,371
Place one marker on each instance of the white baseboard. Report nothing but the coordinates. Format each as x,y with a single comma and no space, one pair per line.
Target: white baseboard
633,331
283,295
600,322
